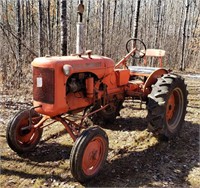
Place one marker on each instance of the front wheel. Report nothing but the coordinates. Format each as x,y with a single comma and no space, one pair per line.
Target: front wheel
89,153
166,105
23,140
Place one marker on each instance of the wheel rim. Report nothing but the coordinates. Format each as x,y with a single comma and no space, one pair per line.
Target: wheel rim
26,137
93,156
174,109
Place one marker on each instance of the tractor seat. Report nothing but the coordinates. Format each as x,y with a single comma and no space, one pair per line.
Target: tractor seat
141,71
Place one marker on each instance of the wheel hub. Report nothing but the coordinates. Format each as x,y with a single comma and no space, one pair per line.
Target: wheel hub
170,107
93,156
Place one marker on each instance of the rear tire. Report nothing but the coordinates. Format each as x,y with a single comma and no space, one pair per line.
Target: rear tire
88,154
19,140
106,116
166,106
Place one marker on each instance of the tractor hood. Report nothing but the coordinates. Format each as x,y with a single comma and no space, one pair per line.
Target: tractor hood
99,65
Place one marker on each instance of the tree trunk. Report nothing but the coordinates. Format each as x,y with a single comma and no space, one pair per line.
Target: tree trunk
28,13
19,45
131,18
63,24
136,19
156,45
23,19
87,24
49,28
32,41
40,29
57,26
135,26
107,27
70,33
18,9
113,26
102,28
184,37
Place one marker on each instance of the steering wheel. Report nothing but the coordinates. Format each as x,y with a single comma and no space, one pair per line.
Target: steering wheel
138,45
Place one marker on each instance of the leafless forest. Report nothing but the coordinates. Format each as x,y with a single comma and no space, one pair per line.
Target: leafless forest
31,28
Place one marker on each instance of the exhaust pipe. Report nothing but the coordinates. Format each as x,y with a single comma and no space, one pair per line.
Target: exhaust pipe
80,29
79,38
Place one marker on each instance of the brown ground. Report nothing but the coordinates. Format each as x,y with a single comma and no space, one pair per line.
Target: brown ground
135,159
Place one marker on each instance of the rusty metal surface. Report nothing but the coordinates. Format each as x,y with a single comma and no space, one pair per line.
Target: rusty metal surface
43,91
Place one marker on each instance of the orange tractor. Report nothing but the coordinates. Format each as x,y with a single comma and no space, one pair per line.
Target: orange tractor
95,87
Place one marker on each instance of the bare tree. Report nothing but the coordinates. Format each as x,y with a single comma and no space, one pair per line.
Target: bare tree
113,25
196,24
136,19
63,23
57,25
19,30
88,22
31,26
49,28
157,24
40,30
23,19
184,33
131,18
102,27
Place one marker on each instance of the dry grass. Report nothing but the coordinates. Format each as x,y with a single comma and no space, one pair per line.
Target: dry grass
136,158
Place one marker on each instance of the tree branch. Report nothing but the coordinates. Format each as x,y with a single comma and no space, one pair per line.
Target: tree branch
3,27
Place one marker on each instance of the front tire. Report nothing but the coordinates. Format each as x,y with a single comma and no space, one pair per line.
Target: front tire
166,106
88,154
20,140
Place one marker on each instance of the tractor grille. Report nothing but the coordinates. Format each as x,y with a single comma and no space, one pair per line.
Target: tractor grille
43,85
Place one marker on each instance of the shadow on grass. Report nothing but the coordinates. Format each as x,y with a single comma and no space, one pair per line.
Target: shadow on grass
127,124
168,162
49,152
48,162
32,175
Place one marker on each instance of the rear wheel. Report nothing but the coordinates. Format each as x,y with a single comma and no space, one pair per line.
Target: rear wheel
88,154
23,140
167,105
104,117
